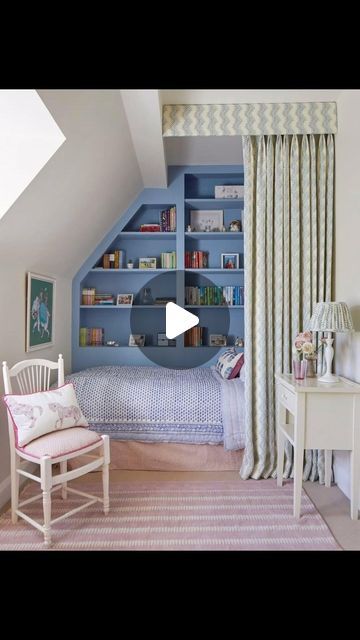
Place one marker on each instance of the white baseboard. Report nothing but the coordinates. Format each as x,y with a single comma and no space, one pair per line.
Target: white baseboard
5,485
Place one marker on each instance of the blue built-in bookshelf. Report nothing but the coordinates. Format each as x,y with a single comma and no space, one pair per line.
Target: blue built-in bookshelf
190,188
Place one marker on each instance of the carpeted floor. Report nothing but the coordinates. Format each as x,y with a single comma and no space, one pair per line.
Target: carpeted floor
188,515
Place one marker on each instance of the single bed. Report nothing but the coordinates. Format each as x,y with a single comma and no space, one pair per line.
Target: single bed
160,405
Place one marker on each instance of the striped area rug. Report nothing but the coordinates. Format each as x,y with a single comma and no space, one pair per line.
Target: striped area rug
176,515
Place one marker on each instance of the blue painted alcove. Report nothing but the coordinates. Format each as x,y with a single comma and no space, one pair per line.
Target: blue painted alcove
190,187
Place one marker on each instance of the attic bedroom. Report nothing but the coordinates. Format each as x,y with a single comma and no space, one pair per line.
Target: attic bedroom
180,352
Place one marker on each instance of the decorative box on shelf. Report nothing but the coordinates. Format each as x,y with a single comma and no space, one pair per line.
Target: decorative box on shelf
229,191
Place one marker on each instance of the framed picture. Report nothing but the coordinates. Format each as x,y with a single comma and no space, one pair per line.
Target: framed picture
229,260
147,263
202,220
136,340
124,299
40,312
217,340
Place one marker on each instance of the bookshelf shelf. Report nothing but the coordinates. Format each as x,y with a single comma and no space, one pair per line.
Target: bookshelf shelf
122,307
215,235
145,235
214,306
189,188
215,203
147,271
223,271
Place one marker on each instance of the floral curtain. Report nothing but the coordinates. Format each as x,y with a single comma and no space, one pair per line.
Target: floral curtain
288,223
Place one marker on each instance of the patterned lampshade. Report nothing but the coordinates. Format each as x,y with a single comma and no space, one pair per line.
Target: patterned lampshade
331,316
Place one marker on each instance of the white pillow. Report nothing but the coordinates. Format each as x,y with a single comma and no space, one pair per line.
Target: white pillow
36,414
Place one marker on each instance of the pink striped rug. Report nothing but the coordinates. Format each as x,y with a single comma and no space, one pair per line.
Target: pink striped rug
179,515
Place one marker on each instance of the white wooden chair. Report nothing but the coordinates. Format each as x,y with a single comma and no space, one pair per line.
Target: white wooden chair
32,376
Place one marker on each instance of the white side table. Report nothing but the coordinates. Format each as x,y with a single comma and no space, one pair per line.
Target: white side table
326,416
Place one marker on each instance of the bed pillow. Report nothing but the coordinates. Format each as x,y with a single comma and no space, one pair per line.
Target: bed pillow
36,414
229,364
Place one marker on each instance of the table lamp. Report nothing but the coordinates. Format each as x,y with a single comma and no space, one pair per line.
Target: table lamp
329,317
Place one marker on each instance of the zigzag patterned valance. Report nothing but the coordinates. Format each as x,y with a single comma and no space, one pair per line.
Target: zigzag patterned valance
249,119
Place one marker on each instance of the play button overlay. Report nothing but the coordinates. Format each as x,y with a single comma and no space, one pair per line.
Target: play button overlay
164,325
178,320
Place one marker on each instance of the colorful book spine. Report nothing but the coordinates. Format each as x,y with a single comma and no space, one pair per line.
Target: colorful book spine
215,296
168,260
168,220
88,296
196,259
91,336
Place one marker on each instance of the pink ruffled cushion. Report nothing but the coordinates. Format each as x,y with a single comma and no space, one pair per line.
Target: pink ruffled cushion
60,443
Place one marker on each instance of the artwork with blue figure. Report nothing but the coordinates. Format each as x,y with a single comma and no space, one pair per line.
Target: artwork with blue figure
40,311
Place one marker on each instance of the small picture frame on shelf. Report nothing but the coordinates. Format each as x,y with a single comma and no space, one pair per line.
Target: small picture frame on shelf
229,260
147,263
162,340
232,191
203,220
217,340
136,340
124,299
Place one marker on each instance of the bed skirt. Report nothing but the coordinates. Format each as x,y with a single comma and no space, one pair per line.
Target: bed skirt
169,456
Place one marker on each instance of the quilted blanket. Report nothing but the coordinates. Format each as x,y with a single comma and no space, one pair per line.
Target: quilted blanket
155,404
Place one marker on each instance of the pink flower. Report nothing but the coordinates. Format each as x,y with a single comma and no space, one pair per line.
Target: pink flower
299,344
307,335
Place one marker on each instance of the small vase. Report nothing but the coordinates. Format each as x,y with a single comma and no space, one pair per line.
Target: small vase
311,367
299,369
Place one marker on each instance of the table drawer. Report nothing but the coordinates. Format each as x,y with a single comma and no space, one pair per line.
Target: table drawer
287,398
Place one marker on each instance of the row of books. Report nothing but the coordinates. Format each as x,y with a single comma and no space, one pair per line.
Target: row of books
88,295
104,299
91,336
228,295
195,337
167,222
113,260
91,297
168,219
196,259
168,260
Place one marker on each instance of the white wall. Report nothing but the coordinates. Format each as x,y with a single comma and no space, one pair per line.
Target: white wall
347,249
56,222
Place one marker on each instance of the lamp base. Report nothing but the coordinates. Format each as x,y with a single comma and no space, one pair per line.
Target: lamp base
329,377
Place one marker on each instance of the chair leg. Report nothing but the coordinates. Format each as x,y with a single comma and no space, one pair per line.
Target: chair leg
63,469
105,473
46,483
14,460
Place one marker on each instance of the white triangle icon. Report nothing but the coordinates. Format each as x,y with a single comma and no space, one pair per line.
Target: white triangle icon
178,320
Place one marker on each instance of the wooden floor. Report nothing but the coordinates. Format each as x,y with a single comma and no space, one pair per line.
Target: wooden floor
330,502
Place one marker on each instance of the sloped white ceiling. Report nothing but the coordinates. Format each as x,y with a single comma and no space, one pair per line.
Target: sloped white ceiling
29,136
80,193
144,115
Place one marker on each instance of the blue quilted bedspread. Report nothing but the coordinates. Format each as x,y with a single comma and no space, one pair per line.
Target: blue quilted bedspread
155,404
